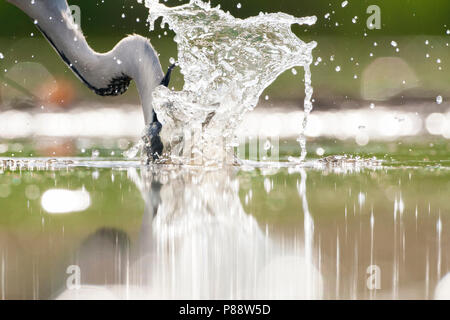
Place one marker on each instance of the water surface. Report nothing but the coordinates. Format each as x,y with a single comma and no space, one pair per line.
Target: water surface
253,231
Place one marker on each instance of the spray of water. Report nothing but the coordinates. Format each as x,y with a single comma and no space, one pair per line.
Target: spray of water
226,63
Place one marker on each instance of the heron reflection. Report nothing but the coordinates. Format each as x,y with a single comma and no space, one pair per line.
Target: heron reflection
197,242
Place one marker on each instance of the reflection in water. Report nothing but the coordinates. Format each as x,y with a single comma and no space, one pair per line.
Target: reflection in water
197,242
59,201
318,232
443,289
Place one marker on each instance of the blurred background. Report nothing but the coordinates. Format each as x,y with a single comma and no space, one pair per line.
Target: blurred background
341,36
380,93
400,68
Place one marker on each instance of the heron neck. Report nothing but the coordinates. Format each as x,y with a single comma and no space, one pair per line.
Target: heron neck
141,63
133,57
54,19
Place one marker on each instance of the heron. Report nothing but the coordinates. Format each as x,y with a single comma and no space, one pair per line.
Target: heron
106,74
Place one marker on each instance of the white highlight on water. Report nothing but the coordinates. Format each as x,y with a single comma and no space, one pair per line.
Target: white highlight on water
226,63
60,201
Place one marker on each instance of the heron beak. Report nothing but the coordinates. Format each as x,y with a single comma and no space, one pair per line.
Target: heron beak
165,81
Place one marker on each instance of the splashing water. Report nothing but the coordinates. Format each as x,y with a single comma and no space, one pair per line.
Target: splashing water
226,63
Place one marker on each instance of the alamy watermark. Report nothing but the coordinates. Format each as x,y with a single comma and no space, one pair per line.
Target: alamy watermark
75,12
374,20
374,280
73,282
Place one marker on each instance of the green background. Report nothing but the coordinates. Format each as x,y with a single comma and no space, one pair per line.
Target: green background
409,22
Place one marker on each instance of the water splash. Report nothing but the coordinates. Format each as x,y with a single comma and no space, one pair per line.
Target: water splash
134,150
226,63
